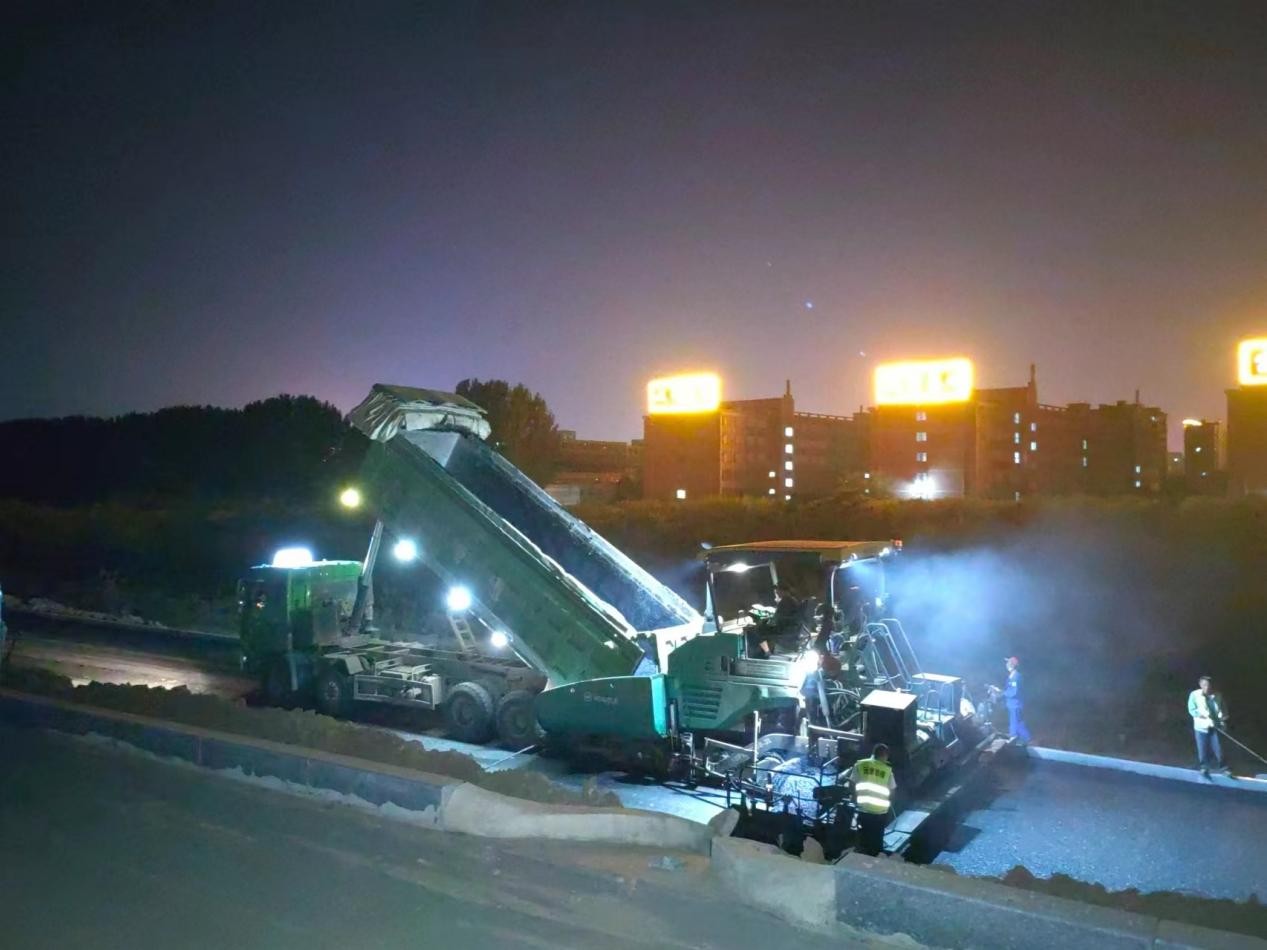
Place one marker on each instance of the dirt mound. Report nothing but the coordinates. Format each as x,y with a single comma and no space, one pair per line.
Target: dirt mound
303,728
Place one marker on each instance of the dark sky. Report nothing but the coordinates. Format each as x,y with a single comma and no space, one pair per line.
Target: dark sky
215,202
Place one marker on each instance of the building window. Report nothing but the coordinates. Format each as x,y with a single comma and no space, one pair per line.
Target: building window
921,456
1136,469
681,494
787,483
1084,445
1016,438
1203,474
787,497
1016,458
1033,427
771,491
921,416
1016,496
787,431
1016,418
1084,461
787,466
1138,483
1197,449
773,473
1033,446
921,436
787,449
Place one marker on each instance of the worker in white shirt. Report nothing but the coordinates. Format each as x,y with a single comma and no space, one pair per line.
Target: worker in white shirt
1208,713
873,786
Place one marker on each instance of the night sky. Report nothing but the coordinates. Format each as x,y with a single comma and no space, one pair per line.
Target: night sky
217,202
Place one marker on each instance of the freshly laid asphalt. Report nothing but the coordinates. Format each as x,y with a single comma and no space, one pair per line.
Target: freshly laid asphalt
1116,829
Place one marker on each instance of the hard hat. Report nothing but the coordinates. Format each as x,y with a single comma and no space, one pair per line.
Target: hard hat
1012,659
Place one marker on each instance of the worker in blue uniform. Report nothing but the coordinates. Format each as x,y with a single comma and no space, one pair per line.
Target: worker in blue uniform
1013,697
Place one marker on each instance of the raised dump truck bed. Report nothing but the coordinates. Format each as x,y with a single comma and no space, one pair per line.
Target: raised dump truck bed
552,621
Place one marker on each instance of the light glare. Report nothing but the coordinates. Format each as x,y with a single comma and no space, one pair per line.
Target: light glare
1251,362
405,550
350,498
292,557
458,599
924,382
689,392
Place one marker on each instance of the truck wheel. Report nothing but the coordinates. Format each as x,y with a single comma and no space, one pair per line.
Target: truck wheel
469,713
517,720
334,693
276,685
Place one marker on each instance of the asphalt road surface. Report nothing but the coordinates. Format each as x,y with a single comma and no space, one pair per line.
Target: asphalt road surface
105,848
1117,829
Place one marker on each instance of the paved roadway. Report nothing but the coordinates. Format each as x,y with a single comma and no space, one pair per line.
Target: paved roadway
1095,825
105,848
1118,830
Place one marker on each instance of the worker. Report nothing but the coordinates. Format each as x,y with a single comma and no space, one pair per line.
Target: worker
1014,699
782,632
1208,716
873,786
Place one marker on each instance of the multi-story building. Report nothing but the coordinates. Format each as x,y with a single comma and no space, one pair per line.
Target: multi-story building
1247,422
1202,468
745,447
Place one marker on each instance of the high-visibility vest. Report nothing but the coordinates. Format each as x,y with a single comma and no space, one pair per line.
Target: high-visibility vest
871,786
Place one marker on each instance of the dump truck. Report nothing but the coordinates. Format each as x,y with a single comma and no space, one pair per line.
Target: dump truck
563,603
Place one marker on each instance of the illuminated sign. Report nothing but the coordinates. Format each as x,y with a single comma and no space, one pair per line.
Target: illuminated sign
1251,362
691,392
923,382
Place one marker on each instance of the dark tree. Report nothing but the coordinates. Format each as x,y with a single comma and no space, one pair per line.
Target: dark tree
523,427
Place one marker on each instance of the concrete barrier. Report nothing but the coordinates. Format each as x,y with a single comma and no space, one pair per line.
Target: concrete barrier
882,895
477,811
449,803
765,877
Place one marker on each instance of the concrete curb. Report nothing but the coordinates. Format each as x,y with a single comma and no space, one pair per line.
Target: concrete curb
446,802
1172,773
888,897
477,811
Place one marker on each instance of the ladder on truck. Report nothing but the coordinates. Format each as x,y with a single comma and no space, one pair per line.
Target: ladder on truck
462,632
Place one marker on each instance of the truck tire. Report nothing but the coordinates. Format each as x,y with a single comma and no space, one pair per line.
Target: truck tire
517,720
469,713
334,692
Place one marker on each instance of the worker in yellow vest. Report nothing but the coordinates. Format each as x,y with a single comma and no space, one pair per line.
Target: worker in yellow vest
873,787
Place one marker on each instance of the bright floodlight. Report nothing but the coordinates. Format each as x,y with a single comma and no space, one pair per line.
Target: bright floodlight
350,498
458,599
499,640
405,550
292,557
738,567
802,666
923,382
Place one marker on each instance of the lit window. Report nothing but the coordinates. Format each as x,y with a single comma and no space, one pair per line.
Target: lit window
1138,483
787,431
921,416
1016,418
787,483
921,456
1016,496
787,497
1084,445
787,449
1033,427
681,494
1084,461
1033,446
773,473
787,466
1016,438
1203,474
921,436
771,491
1136,469
866,474
1016,457
1197,449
